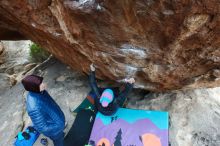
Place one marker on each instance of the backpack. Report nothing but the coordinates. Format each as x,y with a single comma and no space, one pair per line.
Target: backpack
27,137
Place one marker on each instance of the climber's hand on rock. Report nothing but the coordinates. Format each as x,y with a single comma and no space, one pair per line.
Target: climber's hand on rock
130,80
92,67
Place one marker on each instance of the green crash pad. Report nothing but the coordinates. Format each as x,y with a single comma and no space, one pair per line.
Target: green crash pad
86,104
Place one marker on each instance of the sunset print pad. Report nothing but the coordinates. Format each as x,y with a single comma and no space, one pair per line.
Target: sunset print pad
129,127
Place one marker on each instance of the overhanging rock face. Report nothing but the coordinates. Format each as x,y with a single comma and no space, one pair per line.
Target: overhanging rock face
165,45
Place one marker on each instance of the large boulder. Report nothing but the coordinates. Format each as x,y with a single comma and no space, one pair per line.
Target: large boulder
165,45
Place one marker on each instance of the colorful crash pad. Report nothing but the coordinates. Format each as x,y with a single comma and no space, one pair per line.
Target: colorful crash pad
129,127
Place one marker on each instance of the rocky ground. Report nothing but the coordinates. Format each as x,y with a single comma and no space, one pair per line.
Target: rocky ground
14,62
194,114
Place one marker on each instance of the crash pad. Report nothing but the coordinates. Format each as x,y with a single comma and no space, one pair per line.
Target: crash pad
130,127
81,129
87,103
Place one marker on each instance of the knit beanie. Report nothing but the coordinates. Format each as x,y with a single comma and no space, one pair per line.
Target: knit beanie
32,83
106,97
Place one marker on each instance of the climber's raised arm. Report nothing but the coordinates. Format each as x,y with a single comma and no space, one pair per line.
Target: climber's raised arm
124,93
92,81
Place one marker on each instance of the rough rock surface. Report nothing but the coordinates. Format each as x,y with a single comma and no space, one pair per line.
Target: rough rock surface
194,114
163,44
1,48
1,53
14,62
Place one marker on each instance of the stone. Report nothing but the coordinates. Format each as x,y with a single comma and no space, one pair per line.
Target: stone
1,48
15,60
4,82
164,45
1,61
12,80
1,52
10,70
61,79
29,66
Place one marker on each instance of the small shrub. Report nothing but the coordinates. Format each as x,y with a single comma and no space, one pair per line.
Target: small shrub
37,53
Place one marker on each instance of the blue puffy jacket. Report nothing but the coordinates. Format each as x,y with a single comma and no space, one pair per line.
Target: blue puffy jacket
45,114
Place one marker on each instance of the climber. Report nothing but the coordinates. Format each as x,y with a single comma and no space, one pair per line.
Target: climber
105,102
46,115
